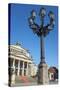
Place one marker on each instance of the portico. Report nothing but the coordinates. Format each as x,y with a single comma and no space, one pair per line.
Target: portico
20,61
20,67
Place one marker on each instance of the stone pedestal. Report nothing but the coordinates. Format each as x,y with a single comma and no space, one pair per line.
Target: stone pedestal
13,78
43,73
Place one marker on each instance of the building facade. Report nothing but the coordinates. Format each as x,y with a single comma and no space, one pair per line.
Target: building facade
20,61
53,73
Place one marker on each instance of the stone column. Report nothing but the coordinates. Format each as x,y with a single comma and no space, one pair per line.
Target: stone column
18,67
30,69
27,69
13,73
23,69
14,64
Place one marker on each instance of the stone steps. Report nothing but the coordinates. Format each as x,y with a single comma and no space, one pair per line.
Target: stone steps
24,79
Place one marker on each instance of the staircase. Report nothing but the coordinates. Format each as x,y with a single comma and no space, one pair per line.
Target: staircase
24,79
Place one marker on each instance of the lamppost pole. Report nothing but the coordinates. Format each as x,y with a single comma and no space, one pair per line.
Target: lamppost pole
42,42
42,31
42,49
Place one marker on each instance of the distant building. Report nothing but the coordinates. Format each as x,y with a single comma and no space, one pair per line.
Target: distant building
53,73
34,69
20,61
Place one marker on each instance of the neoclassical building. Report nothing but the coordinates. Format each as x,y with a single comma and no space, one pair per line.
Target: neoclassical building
20,61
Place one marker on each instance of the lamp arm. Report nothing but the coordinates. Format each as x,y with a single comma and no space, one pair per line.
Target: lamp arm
35,27
47,29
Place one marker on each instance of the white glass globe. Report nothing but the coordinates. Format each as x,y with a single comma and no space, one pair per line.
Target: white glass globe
30,21
51,15
42,12
33,13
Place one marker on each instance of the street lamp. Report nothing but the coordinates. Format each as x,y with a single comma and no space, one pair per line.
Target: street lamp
42,31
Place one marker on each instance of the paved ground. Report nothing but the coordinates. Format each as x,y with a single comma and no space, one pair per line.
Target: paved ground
53,82
31,84
29,81
24,84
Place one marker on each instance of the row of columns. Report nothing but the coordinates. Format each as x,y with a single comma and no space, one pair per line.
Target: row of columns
12,70
18,68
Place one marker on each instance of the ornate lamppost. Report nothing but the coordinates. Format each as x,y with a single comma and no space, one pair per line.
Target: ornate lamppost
42,31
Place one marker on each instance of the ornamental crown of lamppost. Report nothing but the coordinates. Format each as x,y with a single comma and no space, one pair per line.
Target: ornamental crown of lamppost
41,29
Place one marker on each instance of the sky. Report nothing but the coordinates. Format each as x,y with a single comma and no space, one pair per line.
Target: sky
21,32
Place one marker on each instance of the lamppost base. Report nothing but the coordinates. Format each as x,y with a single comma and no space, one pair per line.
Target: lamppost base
43,74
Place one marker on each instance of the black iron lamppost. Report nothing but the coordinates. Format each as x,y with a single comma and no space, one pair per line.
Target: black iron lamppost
42,31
